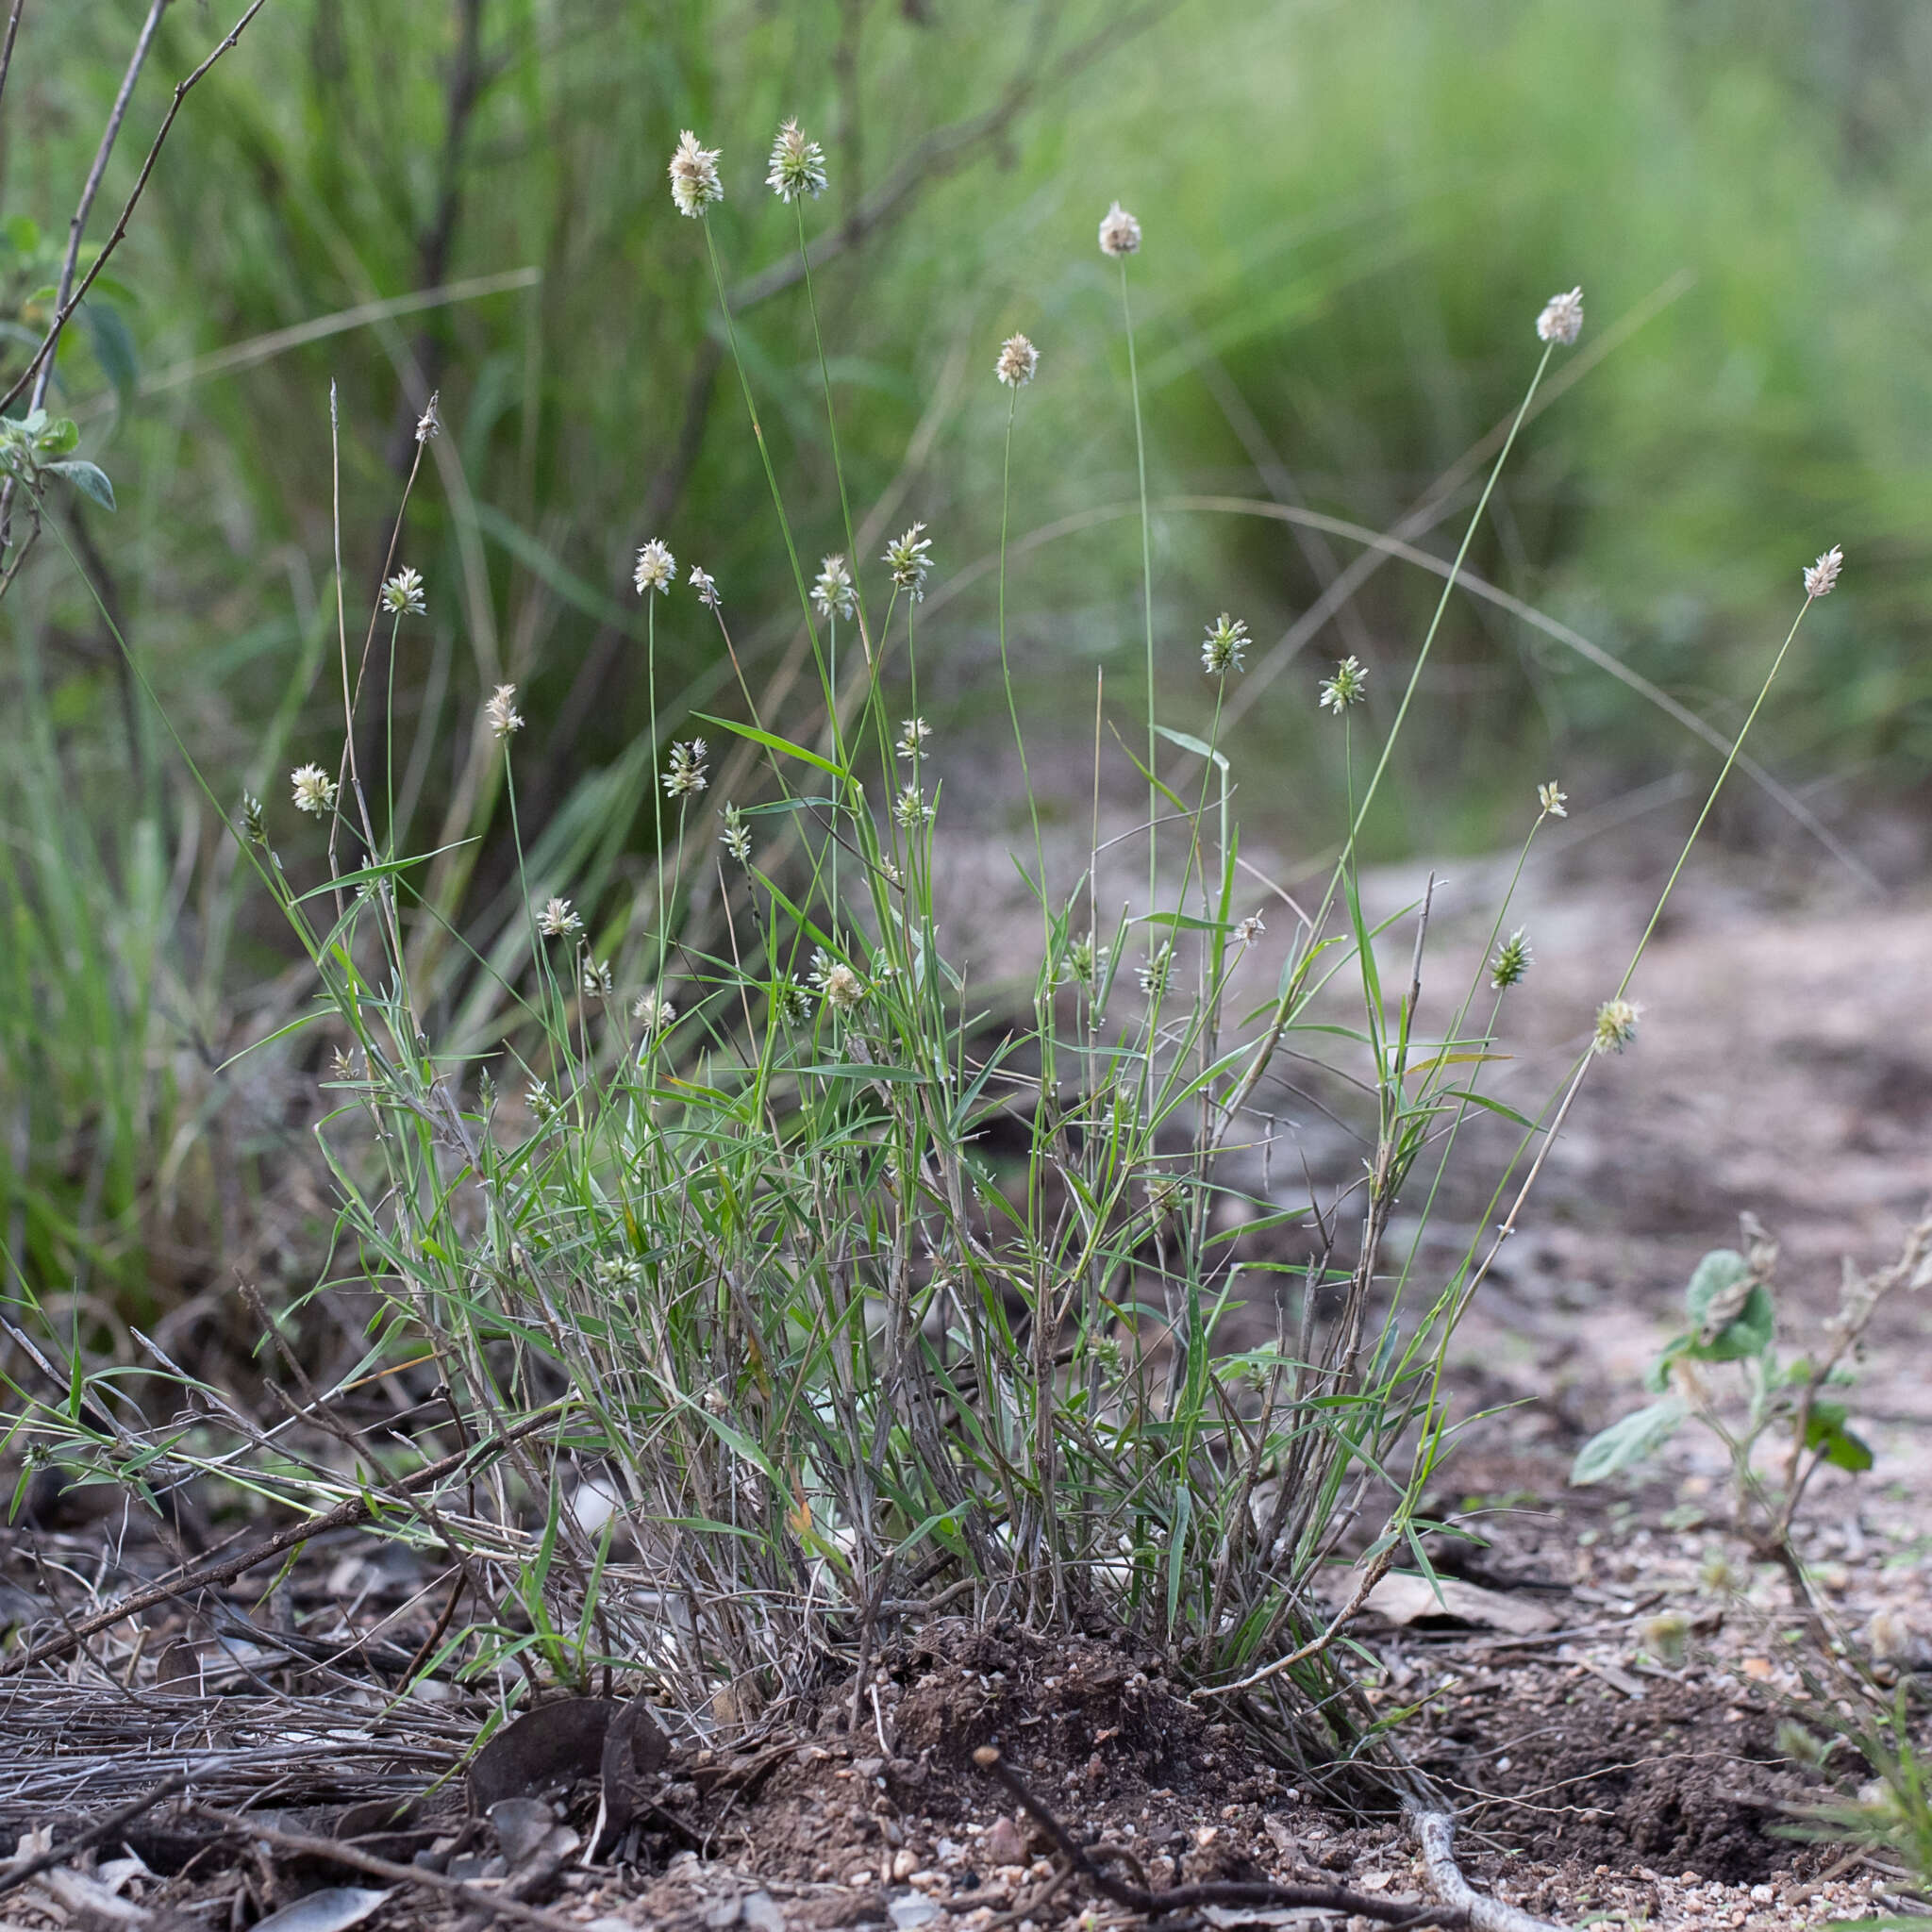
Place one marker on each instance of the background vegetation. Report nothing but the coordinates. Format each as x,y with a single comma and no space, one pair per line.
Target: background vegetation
1352,212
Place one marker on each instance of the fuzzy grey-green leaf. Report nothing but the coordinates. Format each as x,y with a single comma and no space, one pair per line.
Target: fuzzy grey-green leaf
88,478
1638,1435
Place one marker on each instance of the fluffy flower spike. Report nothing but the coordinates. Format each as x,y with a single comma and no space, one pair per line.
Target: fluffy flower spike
687,776
909,557
1120,233
695,183
1513,959
1616,1026
502,713
1346,687
1562,320
798,165
653,1011
1019,362
315,790
559,920
831,593
836,982
401,596
1224,648
656,569
1821,579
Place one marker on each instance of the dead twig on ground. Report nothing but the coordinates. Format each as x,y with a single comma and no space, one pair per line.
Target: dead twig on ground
1233,1892
1435,1835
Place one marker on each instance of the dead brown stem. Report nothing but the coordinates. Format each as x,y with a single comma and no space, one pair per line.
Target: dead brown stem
1219,1892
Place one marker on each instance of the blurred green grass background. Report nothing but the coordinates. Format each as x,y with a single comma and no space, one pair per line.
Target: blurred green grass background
1352,214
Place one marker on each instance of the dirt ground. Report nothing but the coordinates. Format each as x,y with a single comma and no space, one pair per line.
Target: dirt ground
1609,1695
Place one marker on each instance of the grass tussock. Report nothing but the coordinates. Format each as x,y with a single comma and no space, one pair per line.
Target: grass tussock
667,1197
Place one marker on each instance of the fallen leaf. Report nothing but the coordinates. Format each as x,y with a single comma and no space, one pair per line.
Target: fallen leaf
1403,1597
634,1747
333,1910
520,1825
554,1744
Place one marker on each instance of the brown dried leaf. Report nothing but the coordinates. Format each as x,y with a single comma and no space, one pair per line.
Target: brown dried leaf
553,1745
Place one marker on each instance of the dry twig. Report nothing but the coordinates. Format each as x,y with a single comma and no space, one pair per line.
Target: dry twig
1435,1835
1234,1892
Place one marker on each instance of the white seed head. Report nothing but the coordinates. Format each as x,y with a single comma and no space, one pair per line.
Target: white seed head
798,165
558,920
1120,233
912,737
840,986
706,584
656,569
843,987
1553,800
910,808
1226,646
695,183
1249,930
1562,320
1346,687
501,711
1153,972
687,776
1019,362
653,1011
429,423
1616,1026
1821,579
736,837
401,596
909,557
831,593
315,790
597,981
